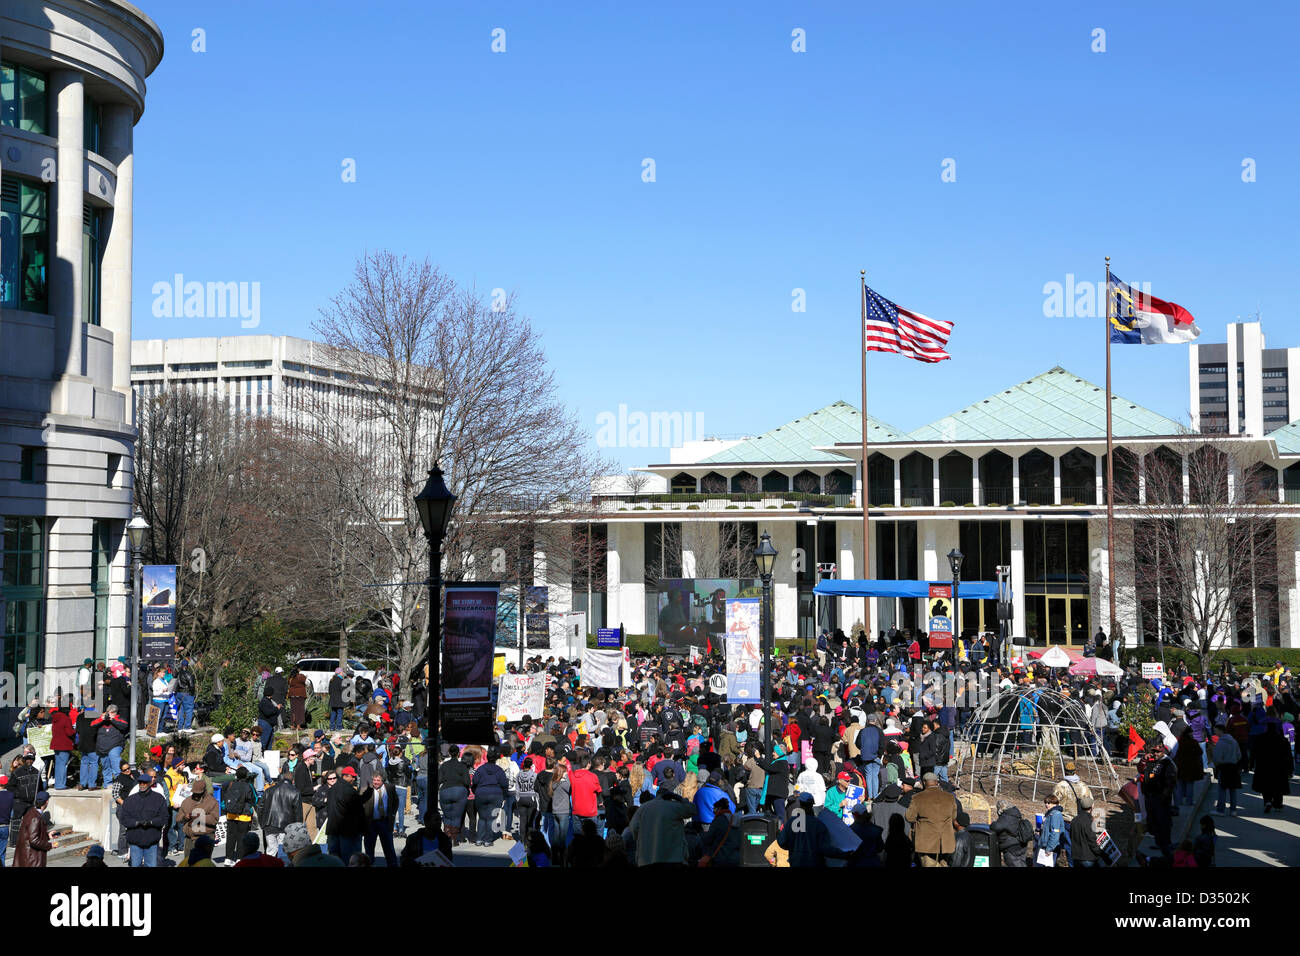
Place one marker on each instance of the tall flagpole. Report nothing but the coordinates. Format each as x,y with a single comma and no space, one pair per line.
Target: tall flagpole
1110,472
866,472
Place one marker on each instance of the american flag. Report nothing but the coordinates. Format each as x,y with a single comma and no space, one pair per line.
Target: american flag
891,328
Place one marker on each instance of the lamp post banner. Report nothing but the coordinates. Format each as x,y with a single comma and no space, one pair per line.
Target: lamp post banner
537,622
469,629
744,661
158,612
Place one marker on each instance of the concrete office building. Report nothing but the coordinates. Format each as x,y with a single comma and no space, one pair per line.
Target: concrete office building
1241,387
72,88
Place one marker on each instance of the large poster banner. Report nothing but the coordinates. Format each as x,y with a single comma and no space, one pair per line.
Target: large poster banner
537,622
744,660
520,696
158,612
508,616
469,626
602,668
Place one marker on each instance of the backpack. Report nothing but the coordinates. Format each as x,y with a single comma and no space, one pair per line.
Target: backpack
1026,831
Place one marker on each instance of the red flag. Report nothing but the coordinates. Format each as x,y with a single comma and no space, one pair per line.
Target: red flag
1135,743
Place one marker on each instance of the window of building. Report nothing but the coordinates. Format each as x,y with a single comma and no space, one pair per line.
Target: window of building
713,484
736,543
22,583
917,474
1274,373
776,481
100,581
194,366
839,482
995,479
1214,369
111,469
252,363
956,479
24,213
682,484
146,369
92,254
23,102
1037,485
27,465
91,119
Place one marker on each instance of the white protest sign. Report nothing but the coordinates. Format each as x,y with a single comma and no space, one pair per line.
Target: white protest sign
521,695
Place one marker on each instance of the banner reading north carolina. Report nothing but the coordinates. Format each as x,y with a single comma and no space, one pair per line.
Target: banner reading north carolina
743,658
468,631
158,612
520,696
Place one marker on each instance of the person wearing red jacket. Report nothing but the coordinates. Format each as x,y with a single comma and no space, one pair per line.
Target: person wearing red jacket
63,728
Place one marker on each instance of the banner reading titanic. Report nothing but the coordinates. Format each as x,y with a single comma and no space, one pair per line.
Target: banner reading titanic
469,627
158,612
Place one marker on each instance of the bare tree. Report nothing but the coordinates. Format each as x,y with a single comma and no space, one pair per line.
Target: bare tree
1197,533
636,482
456,380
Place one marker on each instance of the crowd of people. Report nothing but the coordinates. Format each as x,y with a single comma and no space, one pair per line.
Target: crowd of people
664,772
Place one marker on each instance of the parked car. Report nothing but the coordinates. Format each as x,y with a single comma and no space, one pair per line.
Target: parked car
319,670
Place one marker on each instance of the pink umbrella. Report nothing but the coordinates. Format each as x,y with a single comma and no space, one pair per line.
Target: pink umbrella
1073,655
1096,666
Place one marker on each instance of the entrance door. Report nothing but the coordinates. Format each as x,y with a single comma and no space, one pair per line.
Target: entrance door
1067,620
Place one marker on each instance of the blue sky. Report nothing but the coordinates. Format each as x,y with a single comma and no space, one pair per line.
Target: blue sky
775,171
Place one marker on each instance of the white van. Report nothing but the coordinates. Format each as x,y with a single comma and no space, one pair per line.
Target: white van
319,671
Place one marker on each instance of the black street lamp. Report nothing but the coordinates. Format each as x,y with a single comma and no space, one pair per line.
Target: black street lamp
136,529
954,561
434,504
765,558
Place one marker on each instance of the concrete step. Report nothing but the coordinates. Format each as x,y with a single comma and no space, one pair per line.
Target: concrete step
71,843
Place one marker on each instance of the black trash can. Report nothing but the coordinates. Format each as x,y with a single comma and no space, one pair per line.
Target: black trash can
757,831
984,846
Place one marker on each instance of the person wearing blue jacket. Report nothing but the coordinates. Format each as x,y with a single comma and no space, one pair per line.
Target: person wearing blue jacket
490,784
1051,837
708,796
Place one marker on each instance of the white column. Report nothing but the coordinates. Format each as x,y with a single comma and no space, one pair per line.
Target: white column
1056,479
1288,592
975,479
115,266
898,483
1186,478
927,542
1101,481
935,473
1018,576
67,197
1015,479
785,584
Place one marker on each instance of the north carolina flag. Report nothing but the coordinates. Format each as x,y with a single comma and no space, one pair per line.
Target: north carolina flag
1140,319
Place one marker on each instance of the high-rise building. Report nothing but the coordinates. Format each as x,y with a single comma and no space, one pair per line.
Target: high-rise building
72,88
1241,387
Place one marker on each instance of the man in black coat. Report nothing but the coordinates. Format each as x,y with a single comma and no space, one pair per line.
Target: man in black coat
381,808
24,783
119,692
86,734
281,806
144,816
347,817
337,702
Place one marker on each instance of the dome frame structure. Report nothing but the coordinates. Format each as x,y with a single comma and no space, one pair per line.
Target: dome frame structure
1028,733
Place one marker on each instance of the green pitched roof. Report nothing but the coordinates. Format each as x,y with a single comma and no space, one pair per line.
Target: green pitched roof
1287,438
1054,405
798,440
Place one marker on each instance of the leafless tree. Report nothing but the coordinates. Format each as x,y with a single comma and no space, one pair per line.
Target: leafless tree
1197,533
636,482
461,381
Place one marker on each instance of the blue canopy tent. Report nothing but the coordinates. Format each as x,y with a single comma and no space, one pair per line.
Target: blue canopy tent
966,590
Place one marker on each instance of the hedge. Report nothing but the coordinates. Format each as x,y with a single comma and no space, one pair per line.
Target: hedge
1242,658
649,644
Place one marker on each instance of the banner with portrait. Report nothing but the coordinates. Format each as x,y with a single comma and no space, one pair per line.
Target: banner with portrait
537,620
744,651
